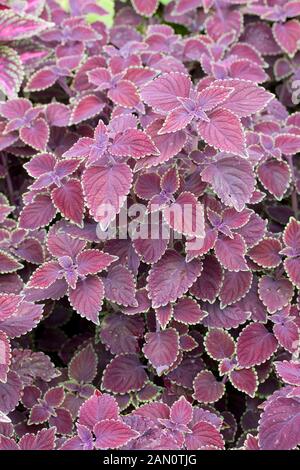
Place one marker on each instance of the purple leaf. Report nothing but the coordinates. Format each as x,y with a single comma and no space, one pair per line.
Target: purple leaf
266,253
112,434
204,436
4,356
68,199
231,253
229,317
244,380
171,267
235,286
87,297
97,408
163,92
18,26
121,333
26,317
246,99
223,131
124,374
288,371
38,213
10,392
120,286
105,190
275,293
206,388
279,425
134,143
161,349
275,177
208,285
287,36
83,366
232,179
11,75
255,345
186,216
219,344
145,9
188,311
43,440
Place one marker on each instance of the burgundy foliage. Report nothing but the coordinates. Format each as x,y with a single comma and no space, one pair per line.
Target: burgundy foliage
189,339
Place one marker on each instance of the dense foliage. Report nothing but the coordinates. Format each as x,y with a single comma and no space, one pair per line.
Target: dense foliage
149,237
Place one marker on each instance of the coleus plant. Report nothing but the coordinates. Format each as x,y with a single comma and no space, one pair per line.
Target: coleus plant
150,183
